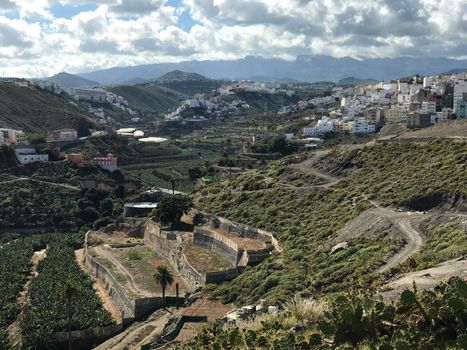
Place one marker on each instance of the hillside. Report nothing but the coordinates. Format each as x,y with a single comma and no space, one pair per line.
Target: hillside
307,218
150,97
259,101
352,81
66,80
35,110
188,83
181,76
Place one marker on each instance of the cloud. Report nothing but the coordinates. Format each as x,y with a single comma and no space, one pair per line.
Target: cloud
135,7
126,32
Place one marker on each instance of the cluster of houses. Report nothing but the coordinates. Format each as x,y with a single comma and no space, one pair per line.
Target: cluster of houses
416,102
213,105
27,154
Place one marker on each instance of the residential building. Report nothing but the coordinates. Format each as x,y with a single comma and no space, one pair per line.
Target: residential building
92,95
108,163
427,82
27,155
428,107
63,135
362,126
75,158
417,120
392,115
12,136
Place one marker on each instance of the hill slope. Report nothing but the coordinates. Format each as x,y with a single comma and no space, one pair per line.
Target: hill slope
35,110
66,80
149,97
307,219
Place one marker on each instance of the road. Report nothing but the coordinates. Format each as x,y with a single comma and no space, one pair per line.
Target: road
425,279
19,179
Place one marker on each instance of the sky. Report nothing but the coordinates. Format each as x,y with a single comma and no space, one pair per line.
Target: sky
40,38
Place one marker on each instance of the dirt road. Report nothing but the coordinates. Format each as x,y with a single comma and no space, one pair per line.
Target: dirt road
426,279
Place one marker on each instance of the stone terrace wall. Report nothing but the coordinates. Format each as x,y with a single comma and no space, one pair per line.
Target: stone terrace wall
239,229
221,276
129,307
170,246
220,244
116,291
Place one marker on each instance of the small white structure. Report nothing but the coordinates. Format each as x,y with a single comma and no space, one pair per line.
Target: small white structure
28,155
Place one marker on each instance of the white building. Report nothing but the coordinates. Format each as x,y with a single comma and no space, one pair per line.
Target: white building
63,135
427,82
27,155
362,126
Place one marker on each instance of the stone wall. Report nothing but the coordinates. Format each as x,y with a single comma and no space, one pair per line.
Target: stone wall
170,246
116,292
86,338
220,244
238,229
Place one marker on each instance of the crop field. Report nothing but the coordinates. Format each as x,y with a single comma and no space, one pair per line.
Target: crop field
45,314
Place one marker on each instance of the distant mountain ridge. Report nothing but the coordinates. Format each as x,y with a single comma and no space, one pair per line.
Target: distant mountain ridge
303,68
70,81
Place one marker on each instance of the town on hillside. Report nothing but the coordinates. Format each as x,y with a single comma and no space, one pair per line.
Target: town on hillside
233,175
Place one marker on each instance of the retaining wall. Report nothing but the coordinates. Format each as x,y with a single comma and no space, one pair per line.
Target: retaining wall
239,229
86,338
220,244
170,246
115,290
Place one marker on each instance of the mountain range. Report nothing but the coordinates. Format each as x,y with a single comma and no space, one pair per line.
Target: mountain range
303,68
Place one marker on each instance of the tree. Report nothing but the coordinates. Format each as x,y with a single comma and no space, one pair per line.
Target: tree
35,139
165,278
173,184
171,209
69,293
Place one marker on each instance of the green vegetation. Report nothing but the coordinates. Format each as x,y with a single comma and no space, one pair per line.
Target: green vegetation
164,277
428,320
46,314
40,111
171,209
33,203
258,102
442,243
274,145
306,224
149,97
404,174
15,266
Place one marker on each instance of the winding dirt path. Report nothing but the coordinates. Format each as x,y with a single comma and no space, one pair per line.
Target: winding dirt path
308,167
405,222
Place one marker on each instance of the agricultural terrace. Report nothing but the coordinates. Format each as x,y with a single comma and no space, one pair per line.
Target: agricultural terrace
44,313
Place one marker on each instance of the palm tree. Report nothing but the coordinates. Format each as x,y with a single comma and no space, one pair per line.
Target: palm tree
69,292
173,183
165,278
